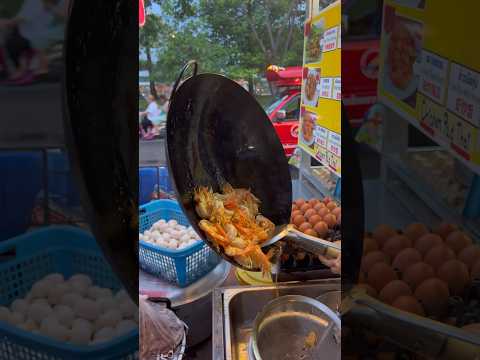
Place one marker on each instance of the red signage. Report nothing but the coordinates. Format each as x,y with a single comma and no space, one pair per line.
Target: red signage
141,13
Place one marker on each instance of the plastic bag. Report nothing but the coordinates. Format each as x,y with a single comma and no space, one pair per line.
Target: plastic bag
161,331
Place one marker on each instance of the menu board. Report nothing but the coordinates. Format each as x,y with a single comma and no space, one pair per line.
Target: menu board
430,71
320,116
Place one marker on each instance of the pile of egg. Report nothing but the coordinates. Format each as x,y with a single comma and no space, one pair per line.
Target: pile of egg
170,235
418,270
74,311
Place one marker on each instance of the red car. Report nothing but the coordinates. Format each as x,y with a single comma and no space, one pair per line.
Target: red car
285,110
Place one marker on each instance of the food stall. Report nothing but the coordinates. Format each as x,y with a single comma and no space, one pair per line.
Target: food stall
224,297
421,259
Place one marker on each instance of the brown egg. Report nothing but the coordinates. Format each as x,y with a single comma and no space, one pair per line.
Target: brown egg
319,206
458,240
309,213
456,276
294,207
427,242
469,255
305,226
321,228
326,200
331,205
406,258
382,233
393,290
444,229
314,219
369,245
337,211
415,231
305,207
372,258
417,273
380,275
298,220
439,254
475,273
296,213
299,202
313,202
330,219
394,245
323,212
409,304
370,290
311,232
433,294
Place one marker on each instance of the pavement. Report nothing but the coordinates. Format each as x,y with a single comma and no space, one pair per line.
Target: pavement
152,153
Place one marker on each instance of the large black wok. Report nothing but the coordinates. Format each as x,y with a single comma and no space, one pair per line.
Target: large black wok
216,133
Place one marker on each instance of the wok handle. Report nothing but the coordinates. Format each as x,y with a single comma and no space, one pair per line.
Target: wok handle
180,76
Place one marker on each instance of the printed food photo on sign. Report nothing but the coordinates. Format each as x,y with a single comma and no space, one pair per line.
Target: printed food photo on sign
308,127
314,41
311,90
403,41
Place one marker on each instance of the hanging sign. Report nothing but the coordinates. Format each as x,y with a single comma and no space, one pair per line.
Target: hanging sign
320,120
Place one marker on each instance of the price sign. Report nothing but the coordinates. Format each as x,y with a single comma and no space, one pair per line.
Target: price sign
464,93
322,137
322,155
333,162
330,39
433,76
334,143
326,88
337,89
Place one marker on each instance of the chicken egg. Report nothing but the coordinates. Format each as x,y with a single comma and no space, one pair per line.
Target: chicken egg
417,273
427,242
438,255
369,245
409,304
309,213
382,233
393,290
372,258
433,294
304,226
321,228
319,206
458,240
380,275
330,219
444,229
394,245
415,231
469,255
455,274
298,220
405,258
305,207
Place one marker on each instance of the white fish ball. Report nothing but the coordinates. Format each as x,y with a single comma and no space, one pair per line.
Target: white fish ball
86,309
38,312
80,335
83,278
64,314
56,293
79,287
172,222
106,303
52,328
70,299
40,289
79,322
125,326
109,319
20,305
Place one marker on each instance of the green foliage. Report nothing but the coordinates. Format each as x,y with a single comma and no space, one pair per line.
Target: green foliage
238,38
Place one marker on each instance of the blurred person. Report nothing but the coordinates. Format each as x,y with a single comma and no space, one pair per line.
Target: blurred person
38,25
151,113
335,264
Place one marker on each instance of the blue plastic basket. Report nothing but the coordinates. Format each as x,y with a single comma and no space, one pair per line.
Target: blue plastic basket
28,258
181,267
